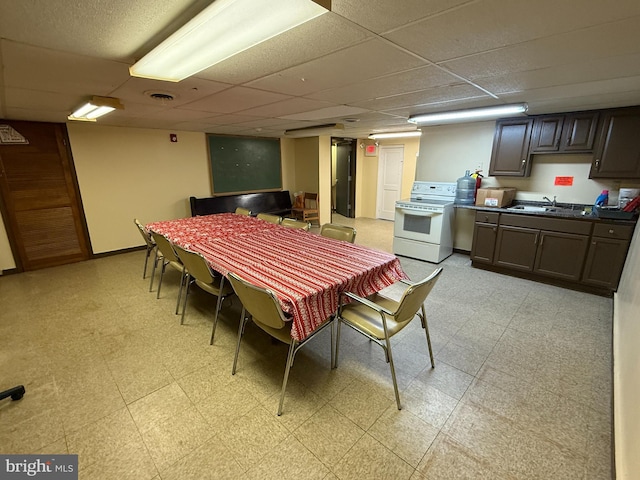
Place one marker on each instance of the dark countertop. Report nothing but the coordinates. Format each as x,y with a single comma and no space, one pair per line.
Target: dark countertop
561,210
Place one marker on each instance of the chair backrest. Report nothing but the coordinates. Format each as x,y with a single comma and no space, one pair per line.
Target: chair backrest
165,247
195,264
261,303
270,218
243,211
339,232
310,200
145,234
414,296
292,223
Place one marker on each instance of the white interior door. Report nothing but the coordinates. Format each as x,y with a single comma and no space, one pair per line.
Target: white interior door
390,164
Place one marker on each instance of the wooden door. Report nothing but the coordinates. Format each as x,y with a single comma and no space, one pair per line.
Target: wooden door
516,247
40,199
561,255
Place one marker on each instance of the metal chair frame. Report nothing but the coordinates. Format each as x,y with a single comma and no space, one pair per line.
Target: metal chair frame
385,342
294,345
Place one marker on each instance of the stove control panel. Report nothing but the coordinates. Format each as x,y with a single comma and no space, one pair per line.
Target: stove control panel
433,189
419,207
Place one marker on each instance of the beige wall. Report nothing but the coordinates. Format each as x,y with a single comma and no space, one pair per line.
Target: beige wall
447,151
626,370
367,174
6,257
125,173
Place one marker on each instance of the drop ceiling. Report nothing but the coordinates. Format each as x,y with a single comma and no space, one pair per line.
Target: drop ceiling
368,65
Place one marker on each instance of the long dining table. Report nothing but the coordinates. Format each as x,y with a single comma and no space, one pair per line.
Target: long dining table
307,272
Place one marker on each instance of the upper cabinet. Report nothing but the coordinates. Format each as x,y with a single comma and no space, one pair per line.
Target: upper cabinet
568,133
617,152
511,141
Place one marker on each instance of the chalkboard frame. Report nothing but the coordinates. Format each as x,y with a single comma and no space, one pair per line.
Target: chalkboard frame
241,164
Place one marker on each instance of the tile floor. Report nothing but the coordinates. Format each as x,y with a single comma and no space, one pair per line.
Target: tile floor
521,388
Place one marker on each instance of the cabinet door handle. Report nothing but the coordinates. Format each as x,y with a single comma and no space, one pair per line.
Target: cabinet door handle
611,231
597,164
535,240
541,239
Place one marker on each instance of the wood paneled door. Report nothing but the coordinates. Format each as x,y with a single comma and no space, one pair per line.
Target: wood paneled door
40,199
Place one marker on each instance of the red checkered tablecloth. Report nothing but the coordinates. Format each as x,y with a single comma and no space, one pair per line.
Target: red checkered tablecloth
307,272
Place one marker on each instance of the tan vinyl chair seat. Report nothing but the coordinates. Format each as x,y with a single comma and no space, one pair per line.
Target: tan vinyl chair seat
168,258
262,306
199,272
151,246
379,318
339,232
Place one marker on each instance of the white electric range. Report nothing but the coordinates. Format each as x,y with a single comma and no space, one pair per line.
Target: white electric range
424,223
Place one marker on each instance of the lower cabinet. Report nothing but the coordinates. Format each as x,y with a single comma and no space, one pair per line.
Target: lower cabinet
561,255
516,247
484,237
606,256
576,251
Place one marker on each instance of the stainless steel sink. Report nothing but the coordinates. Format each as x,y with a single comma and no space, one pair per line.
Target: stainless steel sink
531,208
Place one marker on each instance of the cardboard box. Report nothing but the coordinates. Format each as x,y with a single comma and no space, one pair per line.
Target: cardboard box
495,197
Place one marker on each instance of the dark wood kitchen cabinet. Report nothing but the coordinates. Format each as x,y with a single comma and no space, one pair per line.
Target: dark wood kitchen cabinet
516,247
485,232
579,252
561,255
617,152
606,256
568,133
510,153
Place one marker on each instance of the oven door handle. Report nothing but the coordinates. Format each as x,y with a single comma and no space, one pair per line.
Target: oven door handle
419,213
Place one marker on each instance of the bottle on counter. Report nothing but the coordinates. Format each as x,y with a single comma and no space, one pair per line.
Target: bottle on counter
603,199
466,190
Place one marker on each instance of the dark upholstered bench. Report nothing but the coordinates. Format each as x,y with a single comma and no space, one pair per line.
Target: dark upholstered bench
276,203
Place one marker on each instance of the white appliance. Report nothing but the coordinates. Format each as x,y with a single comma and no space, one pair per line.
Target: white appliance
424,223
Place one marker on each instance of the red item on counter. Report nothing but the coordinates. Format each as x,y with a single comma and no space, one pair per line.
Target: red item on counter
632,205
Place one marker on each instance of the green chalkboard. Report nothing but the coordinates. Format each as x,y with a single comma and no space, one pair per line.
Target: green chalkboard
244,164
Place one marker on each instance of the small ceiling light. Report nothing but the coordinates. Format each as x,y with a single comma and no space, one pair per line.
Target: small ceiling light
468,115
96,107
380,136
223,29
314,130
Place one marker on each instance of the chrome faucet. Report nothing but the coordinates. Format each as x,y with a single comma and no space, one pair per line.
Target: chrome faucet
553,203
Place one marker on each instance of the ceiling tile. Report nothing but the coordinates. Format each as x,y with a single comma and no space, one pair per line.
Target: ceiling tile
286,107
235,99
36,68
423,97
321,36
403,82
490,24
602,41
382,15
374,58
112,30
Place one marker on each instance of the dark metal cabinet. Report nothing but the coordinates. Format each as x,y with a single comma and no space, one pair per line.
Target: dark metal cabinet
570,133
484,237
617,154
510,154
606,256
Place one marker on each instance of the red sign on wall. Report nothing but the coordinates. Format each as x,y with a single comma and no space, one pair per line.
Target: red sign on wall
564,181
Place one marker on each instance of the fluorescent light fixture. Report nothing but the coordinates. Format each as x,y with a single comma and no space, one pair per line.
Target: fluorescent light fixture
470,114
380,136
95,108
223,29
314,130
